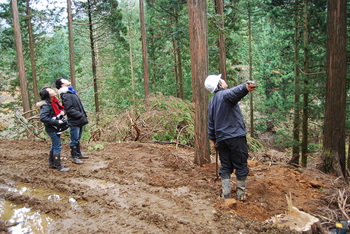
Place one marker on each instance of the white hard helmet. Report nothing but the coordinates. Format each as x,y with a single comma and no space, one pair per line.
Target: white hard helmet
211,82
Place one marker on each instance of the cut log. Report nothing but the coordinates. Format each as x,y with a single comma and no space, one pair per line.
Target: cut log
297,220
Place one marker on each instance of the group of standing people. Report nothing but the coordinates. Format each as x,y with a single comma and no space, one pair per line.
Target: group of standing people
51,110
226,127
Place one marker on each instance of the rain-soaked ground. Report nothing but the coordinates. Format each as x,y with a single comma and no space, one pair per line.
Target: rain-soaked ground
22,219
148,188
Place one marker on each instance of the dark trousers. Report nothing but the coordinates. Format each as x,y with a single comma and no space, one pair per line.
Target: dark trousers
233,156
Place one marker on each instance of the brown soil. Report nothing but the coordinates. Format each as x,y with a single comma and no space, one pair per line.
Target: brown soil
135,187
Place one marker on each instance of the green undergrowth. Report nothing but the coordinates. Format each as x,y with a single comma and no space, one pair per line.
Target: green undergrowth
164,119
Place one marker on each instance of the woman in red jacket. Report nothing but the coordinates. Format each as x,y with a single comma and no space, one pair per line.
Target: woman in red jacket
50,109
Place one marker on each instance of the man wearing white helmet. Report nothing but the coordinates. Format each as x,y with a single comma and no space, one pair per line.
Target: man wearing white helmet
226,129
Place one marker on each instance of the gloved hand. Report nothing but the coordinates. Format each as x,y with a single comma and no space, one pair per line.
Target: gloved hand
215,146
251,85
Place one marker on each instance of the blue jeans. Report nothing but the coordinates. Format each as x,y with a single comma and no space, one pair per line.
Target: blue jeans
56,145
75,135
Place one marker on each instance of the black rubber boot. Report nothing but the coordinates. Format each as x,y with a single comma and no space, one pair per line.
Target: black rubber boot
51,162
80,155
57,162
74,153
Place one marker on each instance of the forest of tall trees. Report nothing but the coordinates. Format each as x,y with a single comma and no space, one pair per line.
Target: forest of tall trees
118,57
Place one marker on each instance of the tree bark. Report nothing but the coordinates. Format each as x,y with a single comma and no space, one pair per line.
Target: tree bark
197,17
296,118
304,142
71,44
250,70
180,74
32,53
20,60
144,51
219,7
93,61
176,68
333,154
131,66
348,155
177,58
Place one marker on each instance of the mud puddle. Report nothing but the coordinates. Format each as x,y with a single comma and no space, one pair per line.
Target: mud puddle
23,219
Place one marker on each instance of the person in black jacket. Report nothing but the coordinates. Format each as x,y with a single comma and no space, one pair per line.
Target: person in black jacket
49,108
76,114
226,129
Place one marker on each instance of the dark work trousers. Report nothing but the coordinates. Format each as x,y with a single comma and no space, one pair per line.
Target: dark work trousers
233,156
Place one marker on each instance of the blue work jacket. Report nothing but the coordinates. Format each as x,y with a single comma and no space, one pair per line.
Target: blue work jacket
225,119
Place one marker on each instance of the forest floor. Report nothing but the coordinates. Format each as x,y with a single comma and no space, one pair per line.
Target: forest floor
134,187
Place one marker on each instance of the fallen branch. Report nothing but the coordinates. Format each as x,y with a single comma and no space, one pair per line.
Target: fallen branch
342,201
178,135
134,125
167,142
31,129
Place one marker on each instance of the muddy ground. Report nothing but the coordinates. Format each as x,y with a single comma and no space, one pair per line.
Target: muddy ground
134,187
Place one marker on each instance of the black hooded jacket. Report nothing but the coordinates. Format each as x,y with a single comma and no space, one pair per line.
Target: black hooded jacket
73,107
46,114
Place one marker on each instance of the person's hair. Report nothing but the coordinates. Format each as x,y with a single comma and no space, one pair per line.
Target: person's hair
59,83
218,87
44,94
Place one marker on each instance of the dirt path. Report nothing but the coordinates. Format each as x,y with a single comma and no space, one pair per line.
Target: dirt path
146,188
